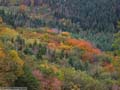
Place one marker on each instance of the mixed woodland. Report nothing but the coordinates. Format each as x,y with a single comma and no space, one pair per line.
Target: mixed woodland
60,44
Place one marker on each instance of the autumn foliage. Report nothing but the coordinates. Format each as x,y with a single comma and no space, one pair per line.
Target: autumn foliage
48,54
2,53
47,83
1,20
22,7
85,45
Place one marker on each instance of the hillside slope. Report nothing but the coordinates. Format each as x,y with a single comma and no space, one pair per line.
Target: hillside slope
47,59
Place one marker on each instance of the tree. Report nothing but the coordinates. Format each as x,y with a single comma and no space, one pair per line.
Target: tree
1,20
15,58
19,43
77,80
116,43
10,68
27,80
27,2
22,8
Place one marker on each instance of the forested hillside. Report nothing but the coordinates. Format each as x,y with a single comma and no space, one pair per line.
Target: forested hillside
98,19
60,44
46,59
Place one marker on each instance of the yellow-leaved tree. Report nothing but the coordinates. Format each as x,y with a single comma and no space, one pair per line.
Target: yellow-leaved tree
15,57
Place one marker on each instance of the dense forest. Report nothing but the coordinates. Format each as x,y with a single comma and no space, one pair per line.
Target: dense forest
60,44
102,15
80,17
